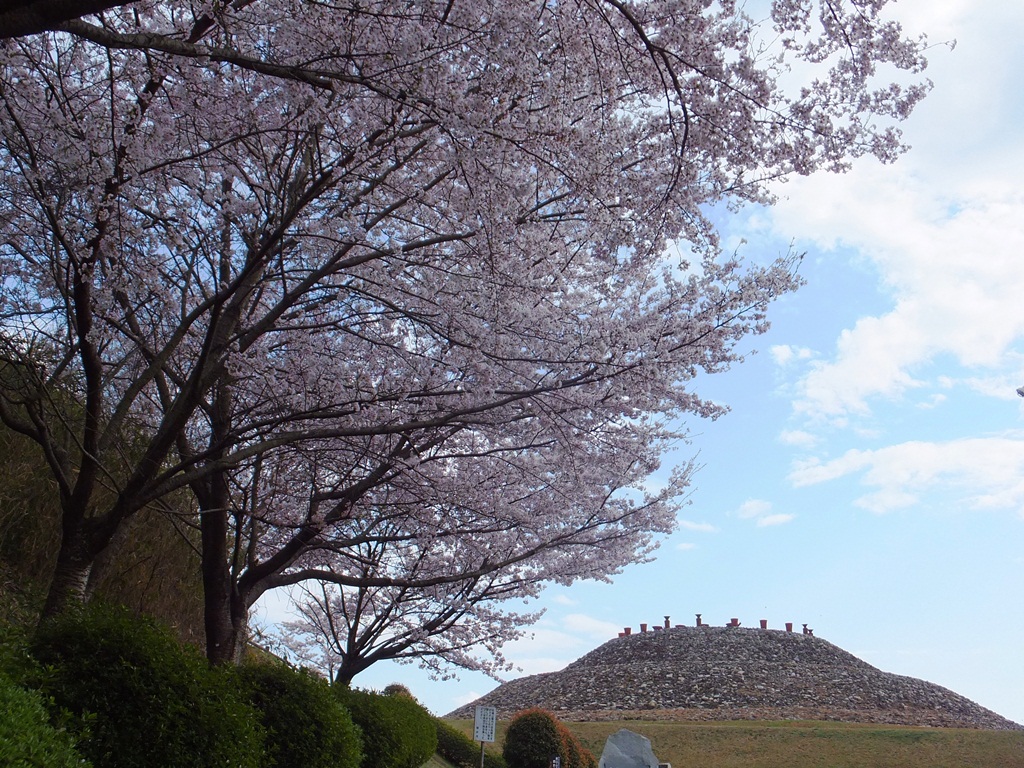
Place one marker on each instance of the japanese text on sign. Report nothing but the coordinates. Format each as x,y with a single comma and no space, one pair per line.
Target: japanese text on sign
485,723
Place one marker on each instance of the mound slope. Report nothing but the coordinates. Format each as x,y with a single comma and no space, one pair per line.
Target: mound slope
734,673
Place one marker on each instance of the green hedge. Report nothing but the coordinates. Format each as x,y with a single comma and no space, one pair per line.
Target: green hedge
460,750
136,698
397,731
306,726
27,740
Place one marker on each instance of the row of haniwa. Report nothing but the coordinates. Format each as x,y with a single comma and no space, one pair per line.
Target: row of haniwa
733,623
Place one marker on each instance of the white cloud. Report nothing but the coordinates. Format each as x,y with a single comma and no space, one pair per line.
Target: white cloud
542,650
540,640
784,354
951,265
690,525
981,473
943,227
760,511
563,599
685,546
999,387
754,508
813,471
553,644
798,438
581,624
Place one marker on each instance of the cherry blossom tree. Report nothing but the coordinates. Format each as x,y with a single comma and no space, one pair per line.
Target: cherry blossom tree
341,632
401,275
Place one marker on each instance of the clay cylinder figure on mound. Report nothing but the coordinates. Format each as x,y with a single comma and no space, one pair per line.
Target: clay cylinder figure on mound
625,749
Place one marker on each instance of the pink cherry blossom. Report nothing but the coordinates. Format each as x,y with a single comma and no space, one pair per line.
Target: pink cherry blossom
388,286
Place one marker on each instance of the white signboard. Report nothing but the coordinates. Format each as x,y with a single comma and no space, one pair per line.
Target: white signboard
485,723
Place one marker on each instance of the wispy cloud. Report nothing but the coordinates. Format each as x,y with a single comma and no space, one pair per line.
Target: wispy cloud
553,643
691,525
760,511
950,266
581,624
754,508
977,472
541,644
778,519
798,438
784,354
944,232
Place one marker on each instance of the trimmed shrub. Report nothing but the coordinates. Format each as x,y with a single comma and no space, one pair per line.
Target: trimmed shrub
460,750
532,740
397,731
27,739
139,699
535,737
306,726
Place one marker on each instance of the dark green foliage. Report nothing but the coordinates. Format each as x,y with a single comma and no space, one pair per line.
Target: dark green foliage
532,740
397,731
306,726
415,723
15,660
27,739
139,699
460,750
535,736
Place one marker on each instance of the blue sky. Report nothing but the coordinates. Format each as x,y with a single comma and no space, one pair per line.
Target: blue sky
869,479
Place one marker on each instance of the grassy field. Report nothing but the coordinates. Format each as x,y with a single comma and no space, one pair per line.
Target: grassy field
810,744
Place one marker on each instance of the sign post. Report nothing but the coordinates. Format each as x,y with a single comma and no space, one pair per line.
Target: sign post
485,721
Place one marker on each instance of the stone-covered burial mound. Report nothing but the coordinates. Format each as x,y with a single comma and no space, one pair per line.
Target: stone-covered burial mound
733,673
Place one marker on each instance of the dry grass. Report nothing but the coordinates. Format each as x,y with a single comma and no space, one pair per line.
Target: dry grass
799,744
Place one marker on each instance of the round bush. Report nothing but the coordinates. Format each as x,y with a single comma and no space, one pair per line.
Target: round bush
397,731
535,737
138,699
26,737
532,740
306,726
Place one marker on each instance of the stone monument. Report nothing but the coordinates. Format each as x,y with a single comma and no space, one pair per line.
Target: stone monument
625,749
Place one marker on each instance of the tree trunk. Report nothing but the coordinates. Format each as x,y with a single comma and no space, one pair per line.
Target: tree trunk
225,610
225,607
70,574
225,614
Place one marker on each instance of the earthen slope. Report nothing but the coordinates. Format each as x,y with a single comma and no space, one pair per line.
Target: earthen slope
734,673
